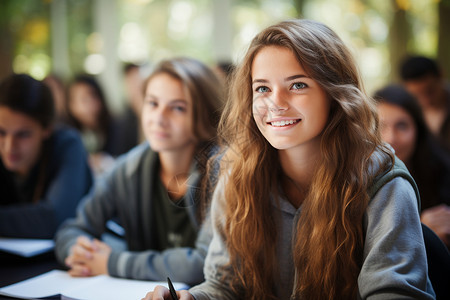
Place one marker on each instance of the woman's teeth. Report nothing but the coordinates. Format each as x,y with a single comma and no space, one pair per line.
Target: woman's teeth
283,123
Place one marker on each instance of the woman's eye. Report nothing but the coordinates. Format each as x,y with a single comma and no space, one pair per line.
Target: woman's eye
23,134
152,103
262,89
179,108
403,126
299,86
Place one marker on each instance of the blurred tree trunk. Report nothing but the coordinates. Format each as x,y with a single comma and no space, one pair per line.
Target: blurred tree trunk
59,39
299,4
5,54
399,35
223,30
443,55
6,42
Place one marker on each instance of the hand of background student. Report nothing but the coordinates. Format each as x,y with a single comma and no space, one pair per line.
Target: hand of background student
88,258
162,293
438,219
101,162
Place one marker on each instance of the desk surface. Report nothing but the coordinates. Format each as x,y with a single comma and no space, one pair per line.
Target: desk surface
14,268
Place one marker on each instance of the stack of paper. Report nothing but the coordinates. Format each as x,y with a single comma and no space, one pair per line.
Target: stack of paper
26,247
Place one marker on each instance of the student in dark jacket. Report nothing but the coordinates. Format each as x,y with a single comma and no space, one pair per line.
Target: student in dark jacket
43,170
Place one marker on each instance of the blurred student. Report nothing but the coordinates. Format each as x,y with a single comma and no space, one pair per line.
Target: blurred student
89,113
224,70
423,78
134,86
44,171
58,89
308,205
154,191
129,130
403,127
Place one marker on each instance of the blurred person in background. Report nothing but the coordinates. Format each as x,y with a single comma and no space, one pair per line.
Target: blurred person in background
129,129
423,78
403,127
224,70
155,191
88,112
44,170
58,89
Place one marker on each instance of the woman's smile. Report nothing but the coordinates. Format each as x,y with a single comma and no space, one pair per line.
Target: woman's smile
283,123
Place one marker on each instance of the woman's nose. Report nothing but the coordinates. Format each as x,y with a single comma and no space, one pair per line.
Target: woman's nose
161,115
278,103
8,143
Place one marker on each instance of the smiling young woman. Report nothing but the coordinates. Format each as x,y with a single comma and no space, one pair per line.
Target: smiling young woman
308,205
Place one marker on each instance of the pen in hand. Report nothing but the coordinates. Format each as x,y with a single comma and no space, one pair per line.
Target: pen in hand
172,290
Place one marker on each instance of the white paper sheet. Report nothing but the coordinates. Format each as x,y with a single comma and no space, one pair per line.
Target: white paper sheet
100,287
26,247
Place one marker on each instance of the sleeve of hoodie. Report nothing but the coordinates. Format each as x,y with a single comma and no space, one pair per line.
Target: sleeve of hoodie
69,184
395,263
180,264
93,212
218,275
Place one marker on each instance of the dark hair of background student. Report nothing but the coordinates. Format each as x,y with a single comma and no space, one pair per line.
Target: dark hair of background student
26,95
417,67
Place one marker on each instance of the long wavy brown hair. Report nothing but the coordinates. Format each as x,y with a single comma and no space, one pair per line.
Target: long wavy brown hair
329,237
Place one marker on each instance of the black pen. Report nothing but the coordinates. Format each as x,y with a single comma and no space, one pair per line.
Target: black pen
172,290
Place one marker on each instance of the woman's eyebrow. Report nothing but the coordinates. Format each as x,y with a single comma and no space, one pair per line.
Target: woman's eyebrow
178,101
260,81
296,77
286,79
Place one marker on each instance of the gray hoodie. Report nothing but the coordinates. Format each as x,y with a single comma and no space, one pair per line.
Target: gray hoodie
126,194
394,258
